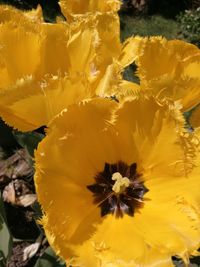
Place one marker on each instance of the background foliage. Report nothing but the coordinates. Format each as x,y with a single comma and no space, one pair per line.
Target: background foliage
190,25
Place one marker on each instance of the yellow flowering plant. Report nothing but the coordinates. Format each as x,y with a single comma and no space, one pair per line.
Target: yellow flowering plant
168,69
48,53
130,192
40,75
117,174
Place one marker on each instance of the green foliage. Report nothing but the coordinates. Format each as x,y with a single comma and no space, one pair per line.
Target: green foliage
5,237
49,259
28,140
147,26
190,25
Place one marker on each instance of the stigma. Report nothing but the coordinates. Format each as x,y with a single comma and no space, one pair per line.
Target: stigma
121,183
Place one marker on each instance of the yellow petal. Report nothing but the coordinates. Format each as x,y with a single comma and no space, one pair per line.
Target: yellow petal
53,54
117,243
152,129
109,84
81,49
129,51
32,104
109,37
80,7
25,58
177,230
16,16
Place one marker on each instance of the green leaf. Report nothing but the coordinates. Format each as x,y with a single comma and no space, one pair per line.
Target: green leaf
49,259
28,140
5,237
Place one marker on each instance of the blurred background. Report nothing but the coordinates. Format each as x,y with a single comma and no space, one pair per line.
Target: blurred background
170,18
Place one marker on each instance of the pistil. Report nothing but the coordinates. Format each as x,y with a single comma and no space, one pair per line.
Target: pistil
121,183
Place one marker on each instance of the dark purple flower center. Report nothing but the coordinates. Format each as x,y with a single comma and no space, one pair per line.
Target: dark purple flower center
118,196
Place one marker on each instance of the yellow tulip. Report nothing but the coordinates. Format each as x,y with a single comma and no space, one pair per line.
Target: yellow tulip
167,69
118,186
49,61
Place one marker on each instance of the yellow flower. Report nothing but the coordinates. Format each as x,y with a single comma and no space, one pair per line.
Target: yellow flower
49,60
116,185
168,69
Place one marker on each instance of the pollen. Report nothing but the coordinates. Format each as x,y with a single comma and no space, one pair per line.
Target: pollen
121,183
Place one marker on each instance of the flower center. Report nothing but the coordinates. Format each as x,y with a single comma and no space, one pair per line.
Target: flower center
121,183
118,190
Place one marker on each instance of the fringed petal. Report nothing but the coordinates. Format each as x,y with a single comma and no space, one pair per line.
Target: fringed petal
32,104
130,51
170,69
79,7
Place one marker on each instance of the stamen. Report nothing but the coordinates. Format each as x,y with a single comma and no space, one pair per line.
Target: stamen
121,183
